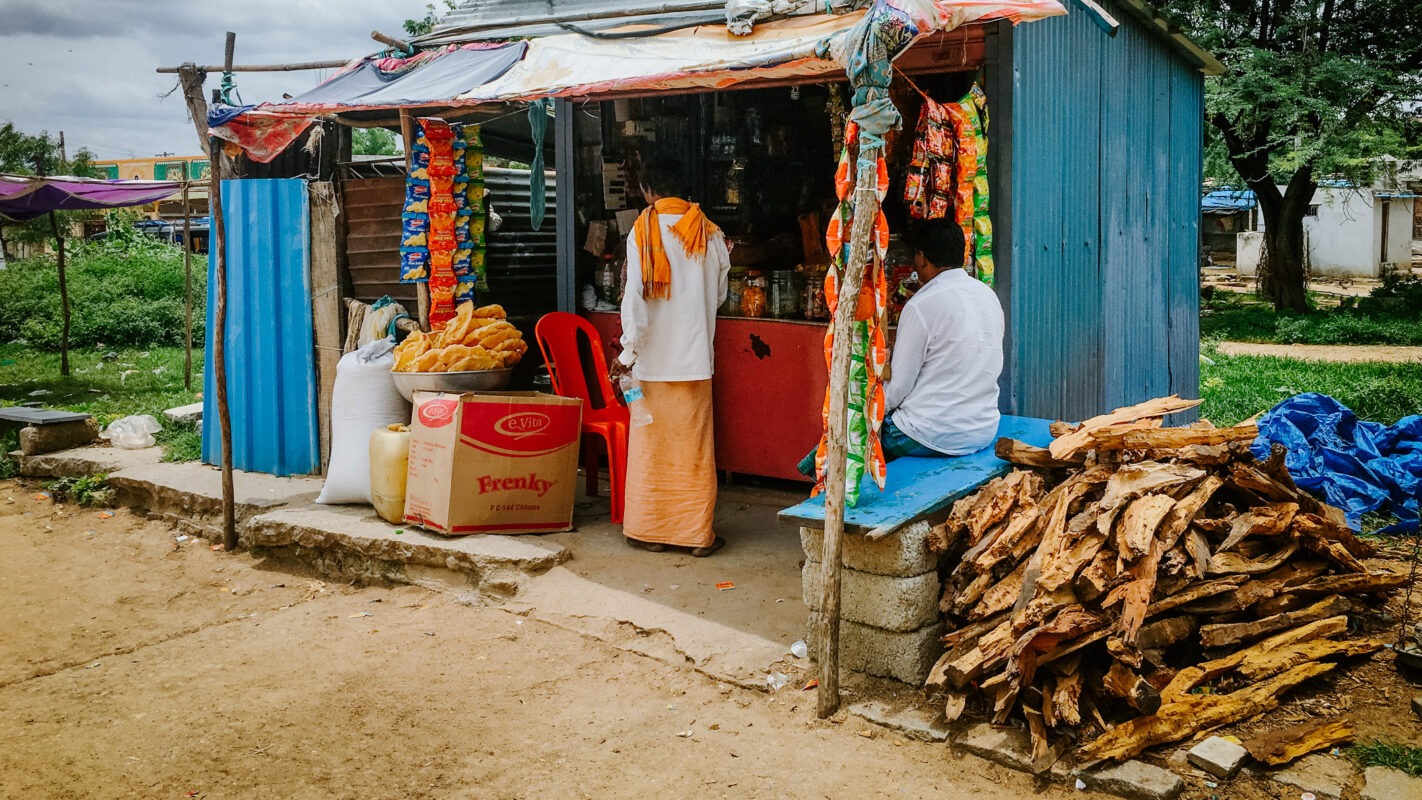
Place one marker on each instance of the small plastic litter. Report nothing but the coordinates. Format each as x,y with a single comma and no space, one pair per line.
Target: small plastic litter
360,614
182,538
1212,784
399,531
724,585
1307,796
106,515
132,433
799,649
686,734
43,496
1080,785
776,681
813,683
217,548
39,393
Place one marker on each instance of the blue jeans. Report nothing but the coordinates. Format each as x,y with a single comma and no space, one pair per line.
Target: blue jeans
896,443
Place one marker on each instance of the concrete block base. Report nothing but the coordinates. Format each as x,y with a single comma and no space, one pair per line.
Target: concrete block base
902,554
894,604
906,657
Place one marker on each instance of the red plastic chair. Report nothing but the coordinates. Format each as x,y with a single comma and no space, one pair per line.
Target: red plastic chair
578,366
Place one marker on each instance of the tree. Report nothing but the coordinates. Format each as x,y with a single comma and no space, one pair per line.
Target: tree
1315,90
372,142
26,154
420,27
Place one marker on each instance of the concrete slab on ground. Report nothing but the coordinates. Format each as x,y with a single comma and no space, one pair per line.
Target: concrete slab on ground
667,604
87,461
368,546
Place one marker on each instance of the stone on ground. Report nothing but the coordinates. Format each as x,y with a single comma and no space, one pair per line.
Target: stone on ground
1327,777
188,413
38,439
913,722
1218,756
1386,783
1136,780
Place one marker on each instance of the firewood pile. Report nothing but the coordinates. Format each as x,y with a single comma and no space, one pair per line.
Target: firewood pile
1140,584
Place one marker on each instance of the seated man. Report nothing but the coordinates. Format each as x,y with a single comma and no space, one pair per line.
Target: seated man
941,396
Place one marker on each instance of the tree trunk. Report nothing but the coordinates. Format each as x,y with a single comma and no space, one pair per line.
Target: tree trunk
1283,279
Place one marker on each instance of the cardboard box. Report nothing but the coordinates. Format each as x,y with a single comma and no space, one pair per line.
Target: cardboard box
502,462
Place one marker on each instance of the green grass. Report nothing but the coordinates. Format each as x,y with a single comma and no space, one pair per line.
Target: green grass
1236,388
1236,317
146,381
1377,753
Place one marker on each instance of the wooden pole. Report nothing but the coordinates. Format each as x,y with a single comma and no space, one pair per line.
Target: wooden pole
866,203
191,78
390,41
63,295
297,67
218,250
407,138
187,291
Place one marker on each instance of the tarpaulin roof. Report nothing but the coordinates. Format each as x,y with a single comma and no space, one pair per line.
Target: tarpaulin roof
1227,201
26,197
428,77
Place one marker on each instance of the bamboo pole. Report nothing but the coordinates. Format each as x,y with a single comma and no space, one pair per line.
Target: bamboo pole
407,138
297,67
866,202
187,291
218,252
63,295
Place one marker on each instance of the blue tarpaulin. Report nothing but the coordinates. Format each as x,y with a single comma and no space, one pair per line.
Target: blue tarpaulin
1358,466
1227,201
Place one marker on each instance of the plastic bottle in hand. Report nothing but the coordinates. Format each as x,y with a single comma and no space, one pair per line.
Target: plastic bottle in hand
636,403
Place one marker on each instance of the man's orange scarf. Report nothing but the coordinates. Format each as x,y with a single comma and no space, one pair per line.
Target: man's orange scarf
693,230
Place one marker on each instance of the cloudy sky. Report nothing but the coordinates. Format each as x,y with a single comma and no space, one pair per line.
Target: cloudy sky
86,67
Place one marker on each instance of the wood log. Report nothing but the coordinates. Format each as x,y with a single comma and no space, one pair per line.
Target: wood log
1176,438
988,652
1294,573
1323,528
1001,596
1166,632
1068,444
1026,455
1368,583
1146,477
1199,549
1195,593
1270,520
1136,531
1191,714
1278,747
1059,429
1190,677
1235,564
1124,683
1097,577
1237,600
1066,698
1000,496
1224,635
1201,455
1263,665
954,702
967,595
1019,528
1112,438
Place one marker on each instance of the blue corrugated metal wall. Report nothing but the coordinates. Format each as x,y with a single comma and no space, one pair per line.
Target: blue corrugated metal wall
1104,252
270,345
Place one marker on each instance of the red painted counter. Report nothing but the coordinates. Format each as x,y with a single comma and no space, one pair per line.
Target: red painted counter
769,390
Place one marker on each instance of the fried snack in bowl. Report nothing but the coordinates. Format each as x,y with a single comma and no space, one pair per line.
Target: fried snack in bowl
414,346
491,312
428,362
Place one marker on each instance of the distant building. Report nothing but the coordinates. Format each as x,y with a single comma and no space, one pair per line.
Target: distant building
1224,214
169,168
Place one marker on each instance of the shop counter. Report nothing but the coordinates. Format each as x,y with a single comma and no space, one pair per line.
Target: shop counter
769,390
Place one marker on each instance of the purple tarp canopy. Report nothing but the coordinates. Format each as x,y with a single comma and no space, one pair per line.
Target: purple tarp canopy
25,197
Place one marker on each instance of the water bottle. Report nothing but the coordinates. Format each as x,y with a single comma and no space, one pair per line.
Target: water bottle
636,403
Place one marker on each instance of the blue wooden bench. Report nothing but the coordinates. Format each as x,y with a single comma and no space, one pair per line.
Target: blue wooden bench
920,487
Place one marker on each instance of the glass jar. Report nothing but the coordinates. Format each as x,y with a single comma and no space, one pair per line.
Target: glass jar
735,286
607,278
735,182
754,296
784,301
814,304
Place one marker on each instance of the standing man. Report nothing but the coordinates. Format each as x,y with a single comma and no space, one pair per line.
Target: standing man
677,266
941,396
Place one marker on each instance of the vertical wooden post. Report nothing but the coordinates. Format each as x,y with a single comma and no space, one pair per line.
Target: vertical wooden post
63,295
866,203
407,138
218,250
187,291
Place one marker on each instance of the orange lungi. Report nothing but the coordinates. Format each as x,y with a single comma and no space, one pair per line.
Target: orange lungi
671,467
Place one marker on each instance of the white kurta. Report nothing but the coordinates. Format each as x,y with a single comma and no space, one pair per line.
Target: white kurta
674,339
942,389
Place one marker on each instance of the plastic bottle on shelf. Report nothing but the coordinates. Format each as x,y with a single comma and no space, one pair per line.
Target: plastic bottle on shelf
636,402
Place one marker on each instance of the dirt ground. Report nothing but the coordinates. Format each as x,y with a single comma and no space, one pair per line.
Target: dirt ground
136,665
1350,353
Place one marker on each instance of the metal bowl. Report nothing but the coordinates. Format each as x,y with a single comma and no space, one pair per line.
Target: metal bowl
484,380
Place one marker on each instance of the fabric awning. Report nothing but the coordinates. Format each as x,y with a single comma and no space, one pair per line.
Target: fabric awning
26,197
422,79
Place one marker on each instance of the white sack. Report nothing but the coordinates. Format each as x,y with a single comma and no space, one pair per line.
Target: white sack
364,400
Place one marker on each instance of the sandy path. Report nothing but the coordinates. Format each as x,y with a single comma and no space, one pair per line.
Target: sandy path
136,666
1325,352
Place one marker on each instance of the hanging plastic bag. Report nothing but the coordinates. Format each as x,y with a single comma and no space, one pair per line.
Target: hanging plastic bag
132,433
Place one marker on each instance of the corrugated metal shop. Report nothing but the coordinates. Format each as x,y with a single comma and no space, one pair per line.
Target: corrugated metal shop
1092,124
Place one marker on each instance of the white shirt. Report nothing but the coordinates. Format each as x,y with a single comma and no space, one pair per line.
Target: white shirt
942,388
674,339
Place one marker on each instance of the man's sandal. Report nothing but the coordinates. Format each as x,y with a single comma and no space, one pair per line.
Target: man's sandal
702,552
651,547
